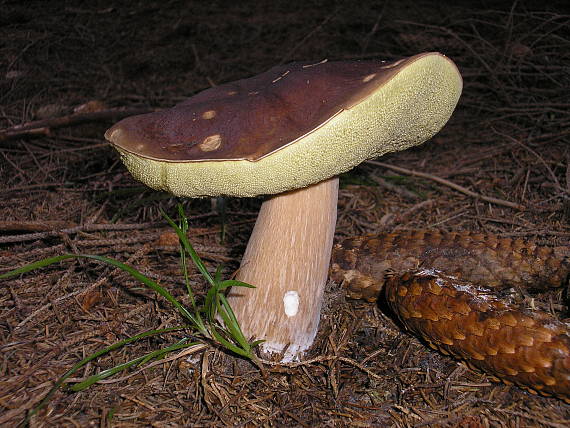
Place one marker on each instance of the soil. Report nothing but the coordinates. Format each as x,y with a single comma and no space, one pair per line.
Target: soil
64,190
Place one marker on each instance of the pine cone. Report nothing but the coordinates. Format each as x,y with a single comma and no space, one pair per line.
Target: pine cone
528,348
484,260
459,311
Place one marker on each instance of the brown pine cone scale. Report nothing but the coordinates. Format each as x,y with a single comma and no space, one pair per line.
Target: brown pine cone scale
484,260
459,311
528,348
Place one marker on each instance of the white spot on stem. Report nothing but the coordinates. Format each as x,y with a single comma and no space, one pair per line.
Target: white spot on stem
291,303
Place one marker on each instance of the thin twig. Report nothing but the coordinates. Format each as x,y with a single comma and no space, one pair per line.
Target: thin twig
536,155
321,359
43,127
89,228
34,226
307,36
450,184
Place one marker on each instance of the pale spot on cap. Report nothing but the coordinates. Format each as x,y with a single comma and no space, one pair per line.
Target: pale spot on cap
114,134
211,143
210,114
369,77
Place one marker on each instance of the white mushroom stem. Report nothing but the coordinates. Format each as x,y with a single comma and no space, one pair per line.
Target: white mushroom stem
287,259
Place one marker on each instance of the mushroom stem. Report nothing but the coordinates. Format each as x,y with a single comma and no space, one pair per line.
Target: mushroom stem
287,259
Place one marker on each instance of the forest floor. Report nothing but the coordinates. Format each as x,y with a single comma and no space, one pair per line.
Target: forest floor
63,189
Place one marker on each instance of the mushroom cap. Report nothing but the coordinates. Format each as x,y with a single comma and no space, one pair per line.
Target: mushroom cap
289,127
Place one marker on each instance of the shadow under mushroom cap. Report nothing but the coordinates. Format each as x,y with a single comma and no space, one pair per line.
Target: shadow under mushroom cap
290,127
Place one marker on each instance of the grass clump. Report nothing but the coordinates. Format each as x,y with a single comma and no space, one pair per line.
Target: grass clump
213,320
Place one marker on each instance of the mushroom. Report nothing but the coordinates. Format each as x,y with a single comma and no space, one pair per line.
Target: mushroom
288,132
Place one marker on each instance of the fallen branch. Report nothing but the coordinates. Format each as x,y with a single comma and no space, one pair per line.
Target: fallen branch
89,228
450,184
34,226
81,228
44,126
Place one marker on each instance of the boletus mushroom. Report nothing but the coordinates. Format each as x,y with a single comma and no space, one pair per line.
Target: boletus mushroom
288,132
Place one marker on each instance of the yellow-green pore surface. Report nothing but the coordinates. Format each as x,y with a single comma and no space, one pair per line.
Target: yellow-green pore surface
407,110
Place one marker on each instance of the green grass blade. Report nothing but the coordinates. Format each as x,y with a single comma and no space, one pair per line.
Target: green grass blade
218,274
183,219
36,265
132,271
225,307
188,247
210,303
232,323
80,386
184,265
228,345
183,259
91,357
229,332
146,281
233,283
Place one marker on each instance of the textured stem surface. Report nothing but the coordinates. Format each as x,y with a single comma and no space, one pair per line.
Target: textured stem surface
287,259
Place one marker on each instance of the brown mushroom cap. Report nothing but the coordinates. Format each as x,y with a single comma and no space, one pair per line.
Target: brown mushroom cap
289,127
252,118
